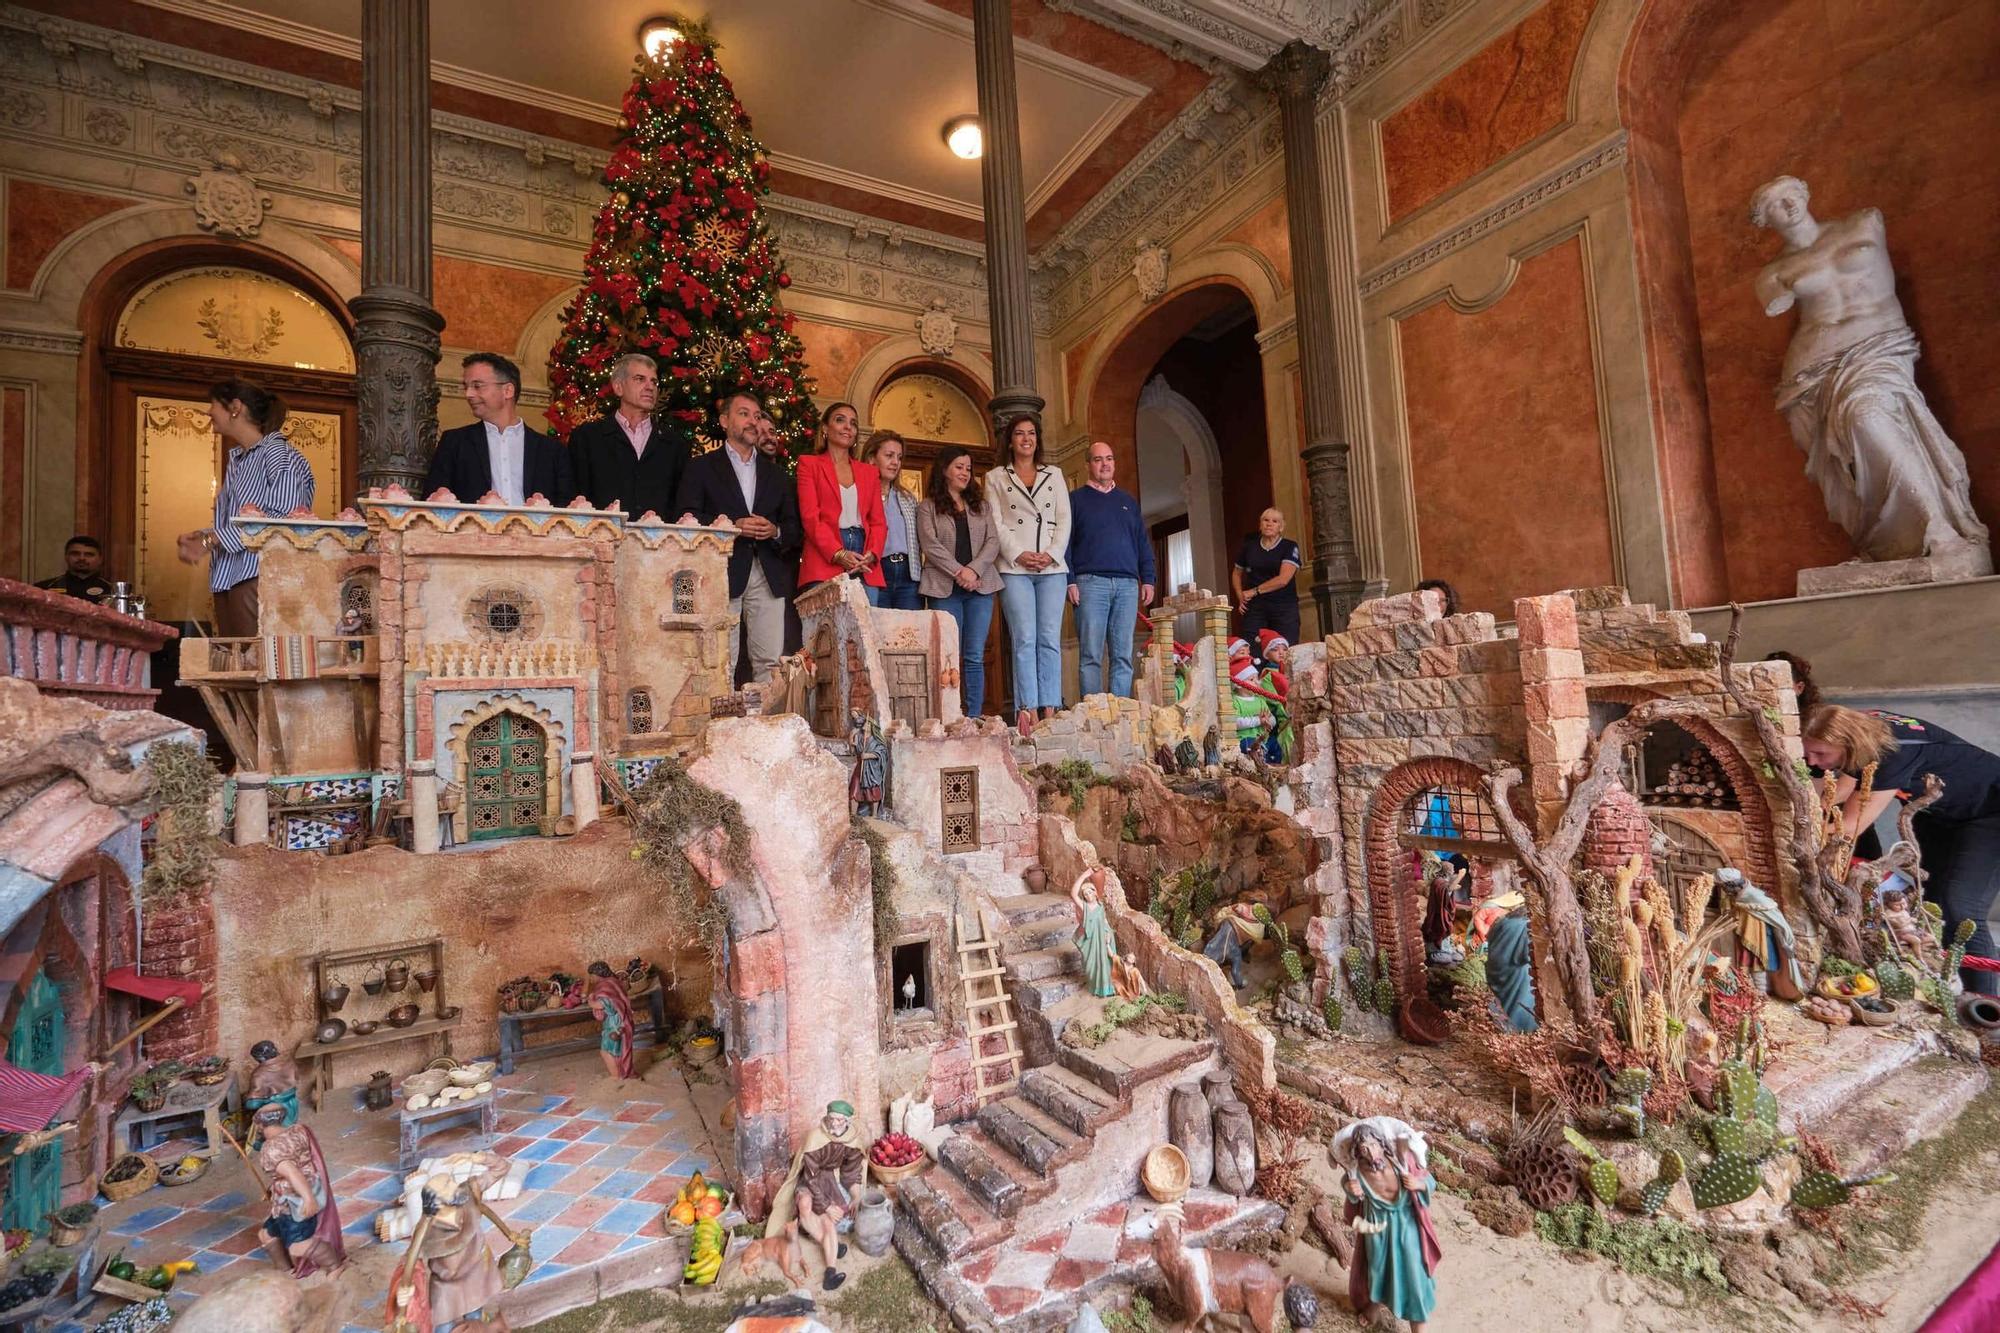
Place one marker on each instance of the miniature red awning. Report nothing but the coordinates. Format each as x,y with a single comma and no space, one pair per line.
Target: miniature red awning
157,989
28,1101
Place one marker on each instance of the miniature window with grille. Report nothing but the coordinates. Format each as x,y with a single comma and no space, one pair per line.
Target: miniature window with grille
503,613
684,592
639,711
1452,819
958,794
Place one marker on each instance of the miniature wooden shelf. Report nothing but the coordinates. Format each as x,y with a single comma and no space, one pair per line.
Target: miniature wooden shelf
512,1037
351,965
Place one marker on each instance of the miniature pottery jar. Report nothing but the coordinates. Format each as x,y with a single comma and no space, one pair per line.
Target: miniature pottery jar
397,975
379,1095
335,995
426,981
874,1223
371,981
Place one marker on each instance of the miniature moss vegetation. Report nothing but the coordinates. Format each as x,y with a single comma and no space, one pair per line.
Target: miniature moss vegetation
184,852
1660,1247
669,811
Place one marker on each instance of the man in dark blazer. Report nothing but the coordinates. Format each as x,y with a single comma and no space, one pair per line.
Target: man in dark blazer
743,484
498,452
631,460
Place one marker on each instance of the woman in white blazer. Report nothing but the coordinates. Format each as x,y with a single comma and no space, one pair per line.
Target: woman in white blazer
1030,505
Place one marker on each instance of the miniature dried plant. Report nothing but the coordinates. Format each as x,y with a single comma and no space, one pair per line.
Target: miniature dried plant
1292,1124
669,812
185,783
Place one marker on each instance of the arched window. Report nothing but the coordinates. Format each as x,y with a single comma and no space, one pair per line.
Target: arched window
639,712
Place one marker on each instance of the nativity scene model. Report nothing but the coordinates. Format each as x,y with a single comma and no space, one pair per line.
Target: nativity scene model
1204,723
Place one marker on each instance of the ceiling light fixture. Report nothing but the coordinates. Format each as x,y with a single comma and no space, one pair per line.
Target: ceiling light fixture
963,136
657,34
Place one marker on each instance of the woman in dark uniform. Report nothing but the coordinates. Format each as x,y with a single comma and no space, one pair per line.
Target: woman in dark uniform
1959,834
1264,580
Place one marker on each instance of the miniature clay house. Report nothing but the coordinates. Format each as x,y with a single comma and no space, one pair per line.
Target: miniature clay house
893,666
501,649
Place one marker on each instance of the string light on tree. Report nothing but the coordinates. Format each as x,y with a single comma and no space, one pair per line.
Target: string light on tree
681,264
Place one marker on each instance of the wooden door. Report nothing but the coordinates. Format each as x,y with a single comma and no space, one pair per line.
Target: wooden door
909,686
507,761
36,1046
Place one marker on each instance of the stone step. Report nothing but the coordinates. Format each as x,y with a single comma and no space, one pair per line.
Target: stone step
948,1216
1128,1059
1027,909
1035,1138
968,1155
1054,964
1043,934
1832,1069
1915,1103
1073,1102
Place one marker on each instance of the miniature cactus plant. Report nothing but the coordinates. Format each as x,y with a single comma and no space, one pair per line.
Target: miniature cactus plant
1729,1178
1628,1098
1823,1189
1653,1195
1288,957
1599,1171
1332,1010
1370,983
1896,981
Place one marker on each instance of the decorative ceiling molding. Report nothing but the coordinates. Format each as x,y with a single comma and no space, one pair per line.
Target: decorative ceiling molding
1241,33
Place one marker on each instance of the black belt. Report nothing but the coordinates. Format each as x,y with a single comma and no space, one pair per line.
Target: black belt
895,560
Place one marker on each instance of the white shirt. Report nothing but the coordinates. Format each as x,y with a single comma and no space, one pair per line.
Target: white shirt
506,451
746,474
850,507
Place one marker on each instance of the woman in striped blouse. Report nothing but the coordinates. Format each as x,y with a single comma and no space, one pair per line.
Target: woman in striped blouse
263,470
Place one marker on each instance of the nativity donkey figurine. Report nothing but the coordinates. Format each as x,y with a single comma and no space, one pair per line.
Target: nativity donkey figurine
1211,1282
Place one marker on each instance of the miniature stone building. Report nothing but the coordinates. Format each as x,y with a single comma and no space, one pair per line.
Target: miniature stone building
485,644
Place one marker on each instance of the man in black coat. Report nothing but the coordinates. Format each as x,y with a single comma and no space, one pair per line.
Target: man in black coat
630,459
741,483
498,452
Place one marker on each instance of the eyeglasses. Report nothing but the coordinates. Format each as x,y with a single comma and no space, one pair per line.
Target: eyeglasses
479,384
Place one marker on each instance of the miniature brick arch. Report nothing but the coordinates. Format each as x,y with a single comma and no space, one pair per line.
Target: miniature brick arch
457,744
1759,821
1394,907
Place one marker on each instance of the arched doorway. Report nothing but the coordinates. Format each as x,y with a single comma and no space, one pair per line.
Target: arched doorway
168,321
507,770
1180,398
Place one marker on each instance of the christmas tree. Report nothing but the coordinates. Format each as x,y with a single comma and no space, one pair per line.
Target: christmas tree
681,264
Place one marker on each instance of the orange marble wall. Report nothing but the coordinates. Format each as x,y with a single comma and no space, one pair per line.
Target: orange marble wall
1269,233
488,305
833,352
1891,104
13,478
1505,455
1073,359
1512,92
39,216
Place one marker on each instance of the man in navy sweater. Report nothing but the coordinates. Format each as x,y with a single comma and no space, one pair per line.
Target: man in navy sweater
1110,572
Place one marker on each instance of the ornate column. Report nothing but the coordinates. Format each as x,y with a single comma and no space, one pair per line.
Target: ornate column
1294,76
395,327
1005,206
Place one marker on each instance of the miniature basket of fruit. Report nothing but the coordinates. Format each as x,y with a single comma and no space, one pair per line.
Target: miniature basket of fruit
1848,988
185,1171
895,1157
699,1200
69,1225
708,1249
209,1070
40,1275
128,1177
123,1278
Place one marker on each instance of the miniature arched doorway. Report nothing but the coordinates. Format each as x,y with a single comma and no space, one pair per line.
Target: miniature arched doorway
36,1044
168,323
509,756
1681,855
1436,805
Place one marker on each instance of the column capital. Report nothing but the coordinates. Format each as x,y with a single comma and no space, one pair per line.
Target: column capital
1300,70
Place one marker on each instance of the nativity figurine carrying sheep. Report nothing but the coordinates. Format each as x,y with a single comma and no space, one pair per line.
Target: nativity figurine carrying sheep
1388,1187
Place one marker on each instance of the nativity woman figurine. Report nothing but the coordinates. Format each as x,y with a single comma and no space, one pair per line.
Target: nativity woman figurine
1388,1186
1889,474
449,1273
302,1233
1093,933
613,1011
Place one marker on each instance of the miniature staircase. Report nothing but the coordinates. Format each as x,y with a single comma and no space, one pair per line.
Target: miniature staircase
1066,1140
989,1013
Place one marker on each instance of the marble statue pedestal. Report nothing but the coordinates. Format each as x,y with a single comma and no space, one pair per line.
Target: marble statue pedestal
1967,562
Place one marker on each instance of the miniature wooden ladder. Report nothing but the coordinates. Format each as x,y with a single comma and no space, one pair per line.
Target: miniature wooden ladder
988,1013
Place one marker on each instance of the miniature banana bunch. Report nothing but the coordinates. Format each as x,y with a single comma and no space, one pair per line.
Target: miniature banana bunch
705,1253
1599,1170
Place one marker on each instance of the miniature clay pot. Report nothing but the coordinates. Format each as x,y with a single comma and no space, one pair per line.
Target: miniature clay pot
401,1016
372,981
427,981
331,1031
396,976
379,1094
874,1223
335,995
363,1027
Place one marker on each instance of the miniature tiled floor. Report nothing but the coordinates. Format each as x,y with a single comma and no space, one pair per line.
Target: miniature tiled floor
1029,1283
606,1158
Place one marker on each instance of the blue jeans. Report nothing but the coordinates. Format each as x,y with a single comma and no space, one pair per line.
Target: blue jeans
1034,607
1106,606
974,613
856,540
899,585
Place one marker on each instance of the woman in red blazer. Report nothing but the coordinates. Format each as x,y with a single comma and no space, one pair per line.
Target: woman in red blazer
840,505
